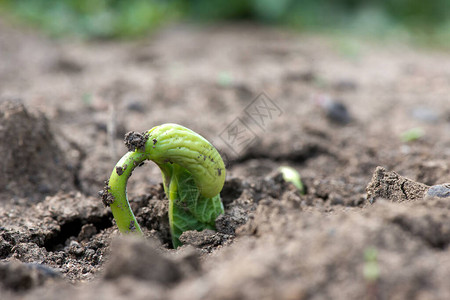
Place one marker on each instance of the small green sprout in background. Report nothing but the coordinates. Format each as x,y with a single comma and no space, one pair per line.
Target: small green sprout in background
225,79
87,99
349,47
193,176
371,269
412,134
291,175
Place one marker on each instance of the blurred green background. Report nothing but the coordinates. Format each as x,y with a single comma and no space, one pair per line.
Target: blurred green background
428,21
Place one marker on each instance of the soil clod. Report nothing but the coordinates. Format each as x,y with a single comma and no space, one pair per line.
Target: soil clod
105,194
135,140
391,186
119,170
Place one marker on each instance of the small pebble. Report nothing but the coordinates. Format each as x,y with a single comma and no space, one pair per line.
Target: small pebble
135,105
425,114
334,110
45,270
438,191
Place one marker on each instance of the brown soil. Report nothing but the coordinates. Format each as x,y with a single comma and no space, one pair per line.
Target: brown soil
359,232
33,165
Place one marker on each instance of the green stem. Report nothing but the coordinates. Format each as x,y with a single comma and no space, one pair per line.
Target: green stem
173,195
120,208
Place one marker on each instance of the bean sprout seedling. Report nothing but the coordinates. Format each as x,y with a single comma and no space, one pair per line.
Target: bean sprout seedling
193,176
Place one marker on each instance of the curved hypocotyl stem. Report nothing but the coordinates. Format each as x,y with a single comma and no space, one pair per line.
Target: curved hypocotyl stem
193,176
115,194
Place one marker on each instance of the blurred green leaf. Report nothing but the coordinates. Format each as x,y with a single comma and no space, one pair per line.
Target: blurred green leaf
119,18
412,134
371,270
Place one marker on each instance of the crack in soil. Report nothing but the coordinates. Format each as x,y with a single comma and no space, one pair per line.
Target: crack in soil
402,188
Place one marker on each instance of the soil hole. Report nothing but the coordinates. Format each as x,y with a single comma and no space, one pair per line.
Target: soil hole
72,228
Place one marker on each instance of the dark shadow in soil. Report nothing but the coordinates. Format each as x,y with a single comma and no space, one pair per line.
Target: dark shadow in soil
72,228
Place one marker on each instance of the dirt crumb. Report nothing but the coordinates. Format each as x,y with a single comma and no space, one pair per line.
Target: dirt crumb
119,170
135,140
105,195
